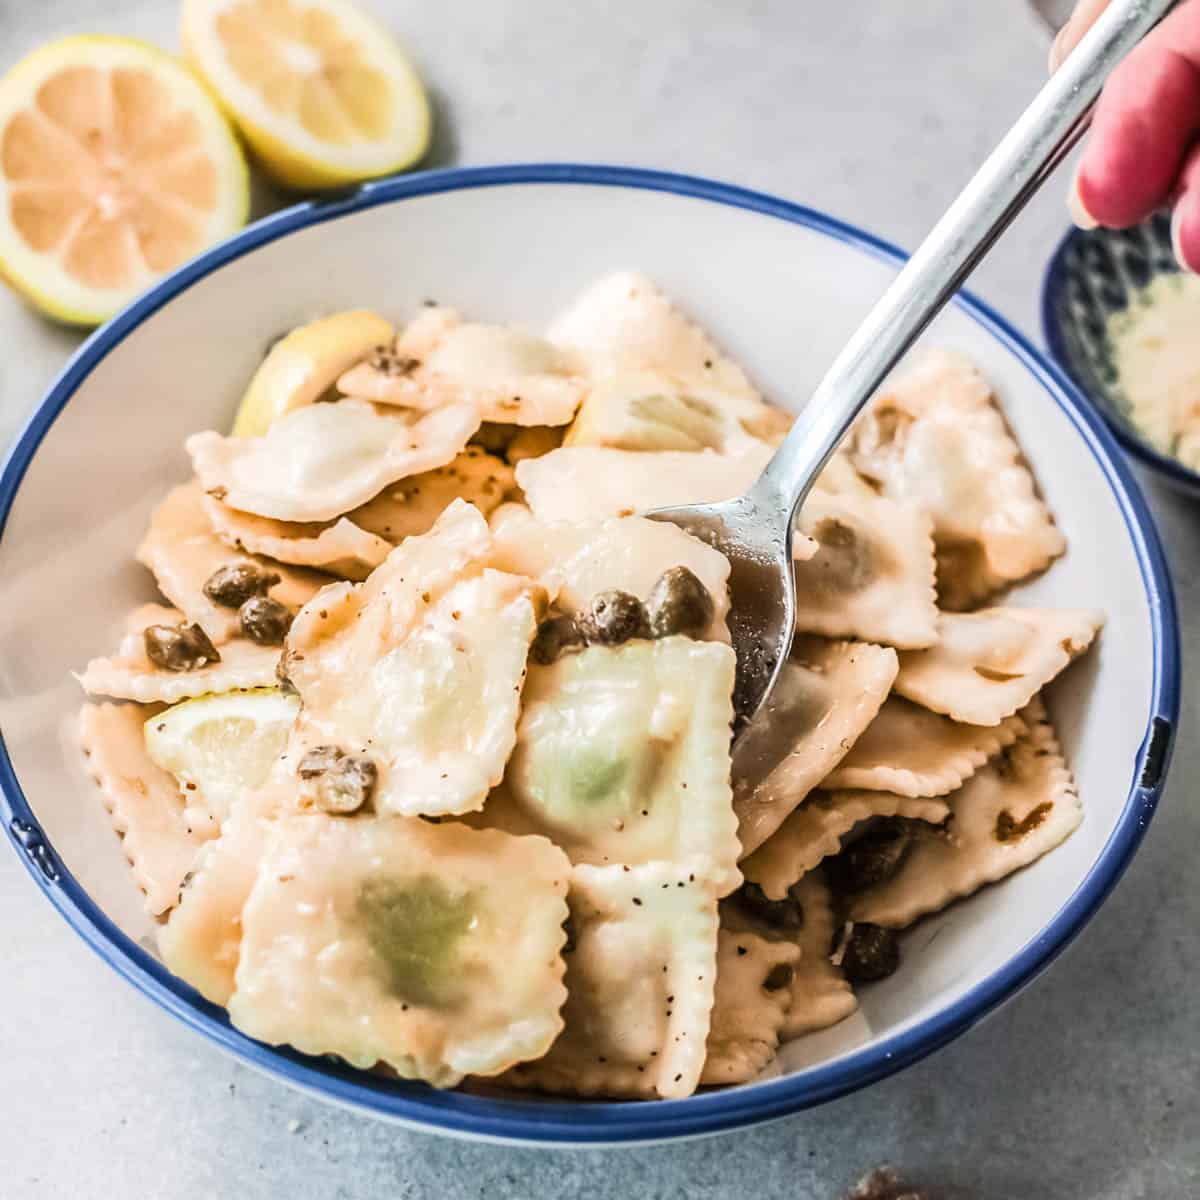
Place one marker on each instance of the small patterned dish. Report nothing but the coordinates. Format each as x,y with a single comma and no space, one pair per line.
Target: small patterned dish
1095,273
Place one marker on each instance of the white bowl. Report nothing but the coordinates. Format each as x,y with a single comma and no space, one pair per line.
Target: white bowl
780,287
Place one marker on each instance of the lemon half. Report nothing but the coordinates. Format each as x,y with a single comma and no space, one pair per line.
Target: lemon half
304,364
115,167
320,91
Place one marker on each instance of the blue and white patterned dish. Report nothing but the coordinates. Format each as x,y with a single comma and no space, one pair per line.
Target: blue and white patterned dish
1095,273
781,287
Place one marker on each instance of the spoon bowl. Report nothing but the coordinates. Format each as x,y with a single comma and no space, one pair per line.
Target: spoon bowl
762,585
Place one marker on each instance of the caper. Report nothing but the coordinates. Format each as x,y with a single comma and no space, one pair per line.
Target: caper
233,584
178,647
395,366
872,859
871,952
317,761
779,976
614,617
679,603
555,637
264,620
778,914
347,785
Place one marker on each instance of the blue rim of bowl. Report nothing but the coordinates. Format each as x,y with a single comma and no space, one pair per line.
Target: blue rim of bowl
1053,281
598,1123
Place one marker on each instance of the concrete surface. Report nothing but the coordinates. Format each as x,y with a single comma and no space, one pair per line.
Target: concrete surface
1082,1089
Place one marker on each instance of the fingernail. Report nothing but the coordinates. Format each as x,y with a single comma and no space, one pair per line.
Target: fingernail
1177,243
1079,213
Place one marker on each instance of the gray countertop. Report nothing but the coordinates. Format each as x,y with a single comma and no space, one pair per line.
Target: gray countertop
1084,1087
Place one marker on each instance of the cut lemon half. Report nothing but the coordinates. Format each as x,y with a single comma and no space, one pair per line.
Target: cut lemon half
115,167
223,744
320,91
304,364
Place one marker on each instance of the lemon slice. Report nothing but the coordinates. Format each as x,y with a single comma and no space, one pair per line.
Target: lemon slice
223,744
322,93
304,364
115,167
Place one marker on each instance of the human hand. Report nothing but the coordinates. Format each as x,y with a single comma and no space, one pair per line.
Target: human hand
1144,147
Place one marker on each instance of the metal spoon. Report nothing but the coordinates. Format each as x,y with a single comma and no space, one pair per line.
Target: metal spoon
754,531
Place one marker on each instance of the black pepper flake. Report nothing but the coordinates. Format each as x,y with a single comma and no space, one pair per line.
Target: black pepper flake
678,1077
741,950
637,902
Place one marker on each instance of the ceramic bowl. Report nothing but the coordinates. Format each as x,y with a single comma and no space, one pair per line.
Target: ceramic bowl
780,286
1095,273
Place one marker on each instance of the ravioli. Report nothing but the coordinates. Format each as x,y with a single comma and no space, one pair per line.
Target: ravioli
820,994
412,505
321,461
640,984
339,548
623,323
419,668
653,410
589,483
434,949
937,439
623,756
130,675
576,560
814,831
182,550
201,942
990,663
872,576
1007,815
828,694
144,801
509,376
754,992
914,752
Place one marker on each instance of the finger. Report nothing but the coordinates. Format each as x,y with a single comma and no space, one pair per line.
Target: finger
1185,218
1082,19
1146,120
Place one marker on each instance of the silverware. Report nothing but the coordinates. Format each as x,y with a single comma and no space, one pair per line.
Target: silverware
754,531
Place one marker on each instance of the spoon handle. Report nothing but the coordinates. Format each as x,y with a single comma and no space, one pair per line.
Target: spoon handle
1028,154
